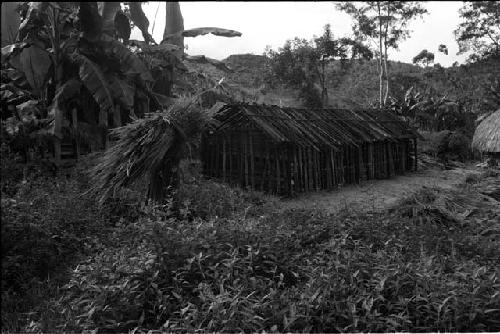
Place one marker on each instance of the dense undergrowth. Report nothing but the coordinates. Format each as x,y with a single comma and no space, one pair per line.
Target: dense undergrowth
233,261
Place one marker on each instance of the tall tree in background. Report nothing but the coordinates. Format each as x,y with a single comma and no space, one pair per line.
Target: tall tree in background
385,24
327,48
424,57
480,30
304,65
443,49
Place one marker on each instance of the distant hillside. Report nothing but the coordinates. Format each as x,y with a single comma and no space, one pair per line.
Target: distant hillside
248,69
352,85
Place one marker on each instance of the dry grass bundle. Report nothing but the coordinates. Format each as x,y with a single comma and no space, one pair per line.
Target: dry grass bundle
487,135
149,147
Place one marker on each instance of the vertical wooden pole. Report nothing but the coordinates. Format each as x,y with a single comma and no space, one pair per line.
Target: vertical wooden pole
103,123
278,170
245,153
230,159
117,116
370,161
360,163
300,177
415,153
252,160
269,171
332,162
390,158
218,154
242,160
310,167
224,177
315,169
403,156
304,164
265,173
295,173
328,169
57,151
343,166
74,119
318,168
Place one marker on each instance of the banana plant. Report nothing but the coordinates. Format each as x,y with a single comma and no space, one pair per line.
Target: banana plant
67,48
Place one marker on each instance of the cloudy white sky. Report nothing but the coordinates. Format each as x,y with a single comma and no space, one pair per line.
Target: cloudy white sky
272,23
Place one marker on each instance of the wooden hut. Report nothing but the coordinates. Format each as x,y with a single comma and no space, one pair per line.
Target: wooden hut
487,135
287,150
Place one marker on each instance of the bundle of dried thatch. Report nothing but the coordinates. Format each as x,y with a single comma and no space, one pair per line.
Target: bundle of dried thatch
487,134
149,147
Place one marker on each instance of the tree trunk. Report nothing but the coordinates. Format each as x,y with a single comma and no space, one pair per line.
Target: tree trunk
380,66
324,91
174,23
386,73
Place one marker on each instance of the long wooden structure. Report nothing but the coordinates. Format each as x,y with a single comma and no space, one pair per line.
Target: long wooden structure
286,150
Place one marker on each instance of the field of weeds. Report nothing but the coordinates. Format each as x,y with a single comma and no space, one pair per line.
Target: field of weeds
429,263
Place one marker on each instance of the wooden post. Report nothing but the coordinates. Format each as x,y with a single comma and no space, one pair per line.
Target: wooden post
415,153
117,116
360,163
309,168
269,171
57,151
330,168
245,152
342,166
224,158
403,156
385,159
230,156
295,173
74,119
277,170
242,160
300,177
217,156
252,160
332,162
265,173
306,169
390,161
103,123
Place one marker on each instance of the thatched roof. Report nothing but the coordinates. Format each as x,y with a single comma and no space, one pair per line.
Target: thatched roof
487,135
315,127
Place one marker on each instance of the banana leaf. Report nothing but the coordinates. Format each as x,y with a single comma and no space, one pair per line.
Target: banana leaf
68,90
95,81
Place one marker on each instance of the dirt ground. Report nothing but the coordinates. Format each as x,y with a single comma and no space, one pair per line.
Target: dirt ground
375,195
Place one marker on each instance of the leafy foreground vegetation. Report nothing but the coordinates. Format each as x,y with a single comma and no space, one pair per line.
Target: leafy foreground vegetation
233,261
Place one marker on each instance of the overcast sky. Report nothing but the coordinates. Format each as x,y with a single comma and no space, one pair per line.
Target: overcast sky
272,23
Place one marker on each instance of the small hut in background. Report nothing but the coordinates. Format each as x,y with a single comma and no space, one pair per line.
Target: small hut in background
287,150
487,136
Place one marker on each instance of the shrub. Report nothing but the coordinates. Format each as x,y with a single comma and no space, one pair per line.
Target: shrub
472,178
446,145
209,199
459,146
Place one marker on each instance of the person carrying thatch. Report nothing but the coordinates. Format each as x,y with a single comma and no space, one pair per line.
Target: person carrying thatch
487,137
